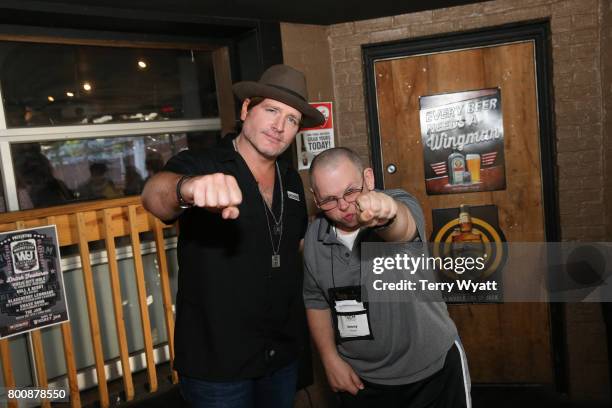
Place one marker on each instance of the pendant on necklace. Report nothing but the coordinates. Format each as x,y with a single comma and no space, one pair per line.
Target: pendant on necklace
276,261
277,229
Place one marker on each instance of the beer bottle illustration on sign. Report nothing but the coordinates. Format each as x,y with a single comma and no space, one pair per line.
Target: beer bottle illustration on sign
465,232
456,168
466,241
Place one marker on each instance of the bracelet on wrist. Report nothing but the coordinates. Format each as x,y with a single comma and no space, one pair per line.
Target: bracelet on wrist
182,203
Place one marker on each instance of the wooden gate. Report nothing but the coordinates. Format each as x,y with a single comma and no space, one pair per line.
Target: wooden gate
81,224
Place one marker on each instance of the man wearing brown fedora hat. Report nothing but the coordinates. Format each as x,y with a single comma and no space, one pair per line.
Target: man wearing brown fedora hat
242,219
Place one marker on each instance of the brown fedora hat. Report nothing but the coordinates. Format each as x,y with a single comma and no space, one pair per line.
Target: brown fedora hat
286,85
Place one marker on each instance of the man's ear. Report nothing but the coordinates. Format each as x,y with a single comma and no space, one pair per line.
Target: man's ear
314,197
368,175
243,109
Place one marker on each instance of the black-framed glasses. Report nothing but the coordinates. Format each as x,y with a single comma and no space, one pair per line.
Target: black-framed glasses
350,196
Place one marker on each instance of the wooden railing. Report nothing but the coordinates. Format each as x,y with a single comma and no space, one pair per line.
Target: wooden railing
81,224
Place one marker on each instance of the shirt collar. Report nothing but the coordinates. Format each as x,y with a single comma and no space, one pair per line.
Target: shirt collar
325,232
327,235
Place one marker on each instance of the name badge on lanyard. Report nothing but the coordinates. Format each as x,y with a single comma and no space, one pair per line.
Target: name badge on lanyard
352,319
351,316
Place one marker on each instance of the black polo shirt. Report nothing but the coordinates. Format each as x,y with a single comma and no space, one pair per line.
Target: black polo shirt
237,317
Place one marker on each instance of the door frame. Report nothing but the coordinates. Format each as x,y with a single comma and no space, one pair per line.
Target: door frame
537,31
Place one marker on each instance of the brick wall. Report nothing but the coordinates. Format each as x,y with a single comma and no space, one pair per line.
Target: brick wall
575,30
581,31
576,44
305,47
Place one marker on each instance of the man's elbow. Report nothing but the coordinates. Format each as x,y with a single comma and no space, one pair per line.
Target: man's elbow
153,201
146,197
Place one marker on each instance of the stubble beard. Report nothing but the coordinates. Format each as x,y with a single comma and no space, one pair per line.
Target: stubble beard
267,154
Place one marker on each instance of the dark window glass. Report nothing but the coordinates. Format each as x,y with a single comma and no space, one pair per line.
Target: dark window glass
60,172
50,84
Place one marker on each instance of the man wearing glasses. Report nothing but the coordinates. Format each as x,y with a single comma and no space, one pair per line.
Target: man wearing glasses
375,354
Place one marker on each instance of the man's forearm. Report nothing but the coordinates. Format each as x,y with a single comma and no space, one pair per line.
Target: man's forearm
403,227
322,332
159,196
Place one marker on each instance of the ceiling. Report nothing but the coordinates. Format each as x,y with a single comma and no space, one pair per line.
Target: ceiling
308,12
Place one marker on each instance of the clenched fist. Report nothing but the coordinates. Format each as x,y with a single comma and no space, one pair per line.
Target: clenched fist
341,376
375,209
214,192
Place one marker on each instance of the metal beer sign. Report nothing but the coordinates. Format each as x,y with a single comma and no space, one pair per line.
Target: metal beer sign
32,292
463,141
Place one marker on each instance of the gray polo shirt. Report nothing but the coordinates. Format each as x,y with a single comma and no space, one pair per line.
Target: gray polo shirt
411,339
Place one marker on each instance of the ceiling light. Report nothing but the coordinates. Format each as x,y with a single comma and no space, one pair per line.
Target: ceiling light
87,86
50,98
69,94
142,64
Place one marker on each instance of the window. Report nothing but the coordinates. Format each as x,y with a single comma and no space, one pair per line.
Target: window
56,85
58,172
84,122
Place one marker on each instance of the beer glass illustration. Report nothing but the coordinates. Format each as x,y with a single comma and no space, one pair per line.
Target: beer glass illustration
473,166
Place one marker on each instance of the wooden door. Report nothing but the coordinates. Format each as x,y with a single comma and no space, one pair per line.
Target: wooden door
505,343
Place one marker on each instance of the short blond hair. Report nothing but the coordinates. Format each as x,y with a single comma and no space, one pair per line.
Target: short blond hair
331,157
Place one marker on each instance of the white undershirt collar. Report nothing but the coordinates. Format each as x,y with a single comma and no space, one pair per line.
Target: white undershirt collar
347,239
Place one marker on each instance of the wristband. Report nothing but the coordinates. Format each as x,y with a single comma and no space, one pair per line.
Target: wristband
179,197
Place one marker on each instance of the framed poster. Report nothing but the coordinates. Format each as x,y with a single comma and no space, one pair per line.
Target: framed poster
471,232
32,292
463,141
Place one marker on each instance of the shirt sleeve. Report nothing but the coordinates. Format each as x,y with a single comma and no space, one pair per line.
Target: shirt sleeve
184,162
313,293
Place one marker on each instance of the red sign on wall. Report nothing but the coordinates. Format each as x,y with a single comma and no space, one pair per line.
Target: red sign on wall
312,141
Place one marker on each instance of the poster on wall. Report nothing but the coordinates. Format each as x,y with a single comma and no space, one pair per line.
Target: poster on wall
312,141
470,231
32,292
463,142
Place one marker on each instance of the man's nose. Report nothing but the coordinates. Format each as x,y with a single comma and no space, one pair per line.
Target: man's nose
279,123
343,205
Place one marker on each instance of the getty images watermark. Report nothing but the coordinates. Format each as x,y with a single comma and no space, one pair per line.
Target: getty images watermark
487,272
